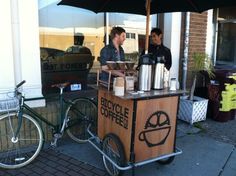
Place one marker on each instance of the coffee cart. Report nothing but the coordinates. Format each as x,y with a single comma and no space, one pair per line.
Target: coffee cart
136,129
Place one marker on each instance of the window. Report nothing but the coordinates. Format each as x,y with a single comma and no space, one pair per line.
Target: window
67,34
132,35
70,43
127,35
226,39
135,26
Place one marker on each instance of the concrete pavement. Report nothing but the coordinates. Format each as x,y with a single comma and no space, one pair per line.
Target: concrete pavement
203,155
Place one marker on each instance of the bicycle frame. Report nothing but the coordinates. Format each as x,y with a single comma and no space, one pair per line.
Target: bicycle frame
60,127
25,109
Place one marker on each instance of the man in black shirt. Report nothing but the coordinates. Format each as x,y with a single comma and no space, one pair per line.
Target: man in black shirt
158,49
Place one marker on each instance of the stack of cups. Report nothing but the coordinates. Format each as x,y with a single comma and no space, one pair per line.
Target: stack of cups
119,86
173,84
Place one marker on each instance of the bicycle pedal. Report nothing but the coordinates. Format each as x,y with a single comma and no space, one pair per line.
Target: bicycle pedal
57,135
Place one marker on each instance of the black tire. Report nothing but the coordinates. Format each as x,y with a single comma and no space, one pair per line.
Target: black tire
81,113
113,148
166,161
18,151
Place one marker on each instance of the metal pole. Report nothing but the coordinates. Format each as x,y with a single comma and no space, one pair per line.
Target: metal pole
148,4
186,51
107,27
216,36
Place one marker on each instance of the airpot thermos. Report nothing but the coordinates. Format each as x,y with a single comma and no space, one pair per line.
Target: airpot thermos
145,72
159,73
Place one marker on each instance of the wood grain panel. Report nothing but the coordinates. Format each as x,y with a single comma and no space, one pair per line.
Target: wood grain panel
155,127
115,116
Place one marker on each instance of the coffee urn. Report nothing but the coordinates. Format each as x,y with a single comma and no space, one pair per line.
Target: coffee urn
159,73
145,72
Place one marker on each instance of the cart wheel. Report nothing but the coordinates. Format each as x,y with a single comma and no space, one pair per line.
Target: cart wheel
114,149
166,161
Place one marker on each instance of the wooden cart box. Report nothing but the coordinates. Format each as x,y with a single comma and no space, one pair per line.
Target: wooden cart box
145,126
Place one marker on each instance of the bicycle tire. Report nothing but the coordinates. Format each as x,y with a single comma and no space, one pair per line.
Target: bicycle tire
23,149
114,149
166,161
81,113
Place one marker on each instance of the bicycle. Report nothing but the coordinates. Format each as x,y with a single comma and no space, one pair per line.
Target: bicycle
20,127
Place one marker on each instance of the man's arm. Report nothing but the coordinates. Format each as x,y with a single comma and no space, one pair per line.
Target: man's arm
104,56
168,62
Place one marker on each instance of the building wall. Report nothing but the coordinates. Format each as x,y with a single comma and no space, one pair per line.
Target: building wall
20,46
197,40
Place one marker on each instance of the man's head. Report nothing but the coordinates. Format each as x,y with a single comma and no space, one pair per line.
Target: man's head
118,35
156,35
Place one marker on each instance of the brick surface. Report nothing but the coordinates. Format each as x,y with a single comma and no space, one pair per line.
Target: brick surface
38,170
72,173
74,167
86,172
197,40
53,163
98,172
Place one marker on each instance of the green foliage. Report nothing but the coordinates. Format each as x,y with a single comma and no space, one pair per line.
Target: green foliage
202,61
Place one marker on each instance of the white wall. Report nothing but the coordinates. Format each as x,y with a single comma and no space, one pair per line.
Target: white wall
29,46
210,36
20,56
172,31
6,49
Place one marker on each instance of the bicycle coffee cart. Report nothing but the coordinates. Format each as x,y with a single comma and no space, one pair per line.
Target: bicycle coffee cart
136,129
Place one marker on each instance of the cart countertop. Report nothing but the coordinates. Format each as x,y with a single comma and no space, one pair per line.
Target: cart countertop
153,94
149,94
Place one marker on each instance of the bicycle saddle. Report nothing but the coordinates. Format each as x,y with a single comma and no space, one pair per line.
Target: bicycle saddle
61,85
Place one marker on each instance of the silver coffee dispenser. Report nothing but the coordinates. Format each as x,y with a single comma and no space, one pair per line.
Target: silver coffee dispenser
145,72
159,73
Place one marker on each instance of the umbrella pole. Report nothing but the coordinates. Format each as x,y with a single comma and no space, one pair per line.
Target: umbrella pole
148,4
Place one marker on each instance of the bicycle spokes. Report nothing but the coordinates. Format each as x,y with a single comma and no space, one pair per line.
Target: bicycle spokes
19,148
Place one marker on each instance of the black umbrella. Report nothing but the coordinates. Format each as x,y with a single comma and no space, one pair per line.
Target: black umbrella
147,7
157,6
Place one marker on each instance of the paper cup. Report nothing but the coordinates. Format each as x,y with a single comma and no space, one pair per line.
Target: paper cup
119,91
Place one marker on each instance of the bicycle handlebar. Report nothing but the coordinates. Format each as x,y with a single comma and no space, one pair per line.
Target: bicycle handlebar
20,84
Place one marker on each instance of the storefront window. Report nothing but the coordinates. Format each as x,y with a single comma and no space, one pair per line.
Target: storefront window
70,43
135,26
71,39
226,39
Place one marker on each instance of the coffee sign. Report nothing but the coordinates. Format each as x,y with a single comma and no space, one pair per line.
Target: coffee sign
115,112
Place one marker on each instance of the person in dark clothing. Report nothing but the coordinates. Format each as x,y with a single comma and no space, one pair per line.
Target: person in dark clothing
158,49
113,51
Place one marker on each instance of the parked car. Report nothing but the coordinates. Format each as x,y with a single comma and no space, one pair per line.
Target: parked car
47,54
78,49
58,66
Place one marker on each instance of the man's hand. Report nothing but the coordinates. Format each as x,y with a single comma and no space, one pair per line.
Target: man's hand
118,73
104,67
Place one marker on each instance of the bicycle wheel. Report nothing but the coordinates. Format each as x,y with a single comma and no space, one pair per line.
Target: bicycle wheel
81,113
18,151
114,149
166,161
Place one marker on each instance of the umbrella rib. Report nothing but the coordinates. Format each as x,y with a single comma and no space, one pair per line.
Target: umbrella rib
194,5
107,1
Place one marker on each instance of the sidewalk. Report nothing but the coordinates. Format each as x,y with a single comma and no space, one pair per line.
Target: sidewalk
54,163
203,155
